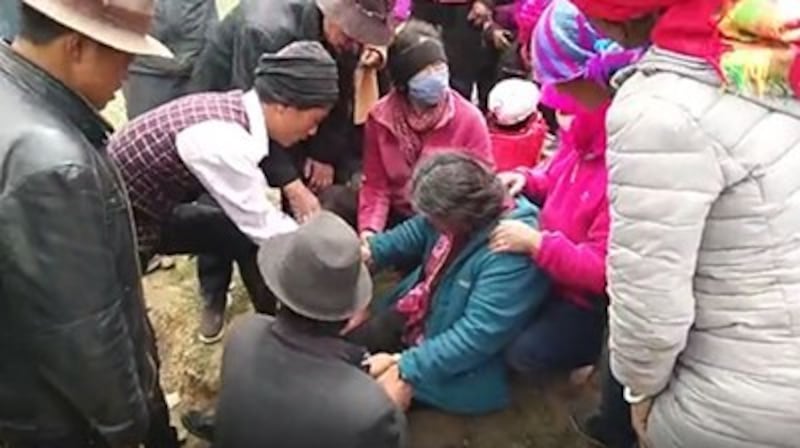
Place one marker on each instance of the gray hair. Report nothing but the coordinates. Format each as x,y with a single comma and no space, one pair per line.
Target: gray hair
457,189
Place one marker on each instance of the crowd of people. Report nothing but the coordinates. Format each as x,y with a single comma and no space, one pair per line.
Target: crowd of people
659,245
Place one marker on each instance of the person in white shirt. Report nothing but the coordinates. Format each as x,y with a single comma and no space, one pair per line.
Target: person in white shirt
217,143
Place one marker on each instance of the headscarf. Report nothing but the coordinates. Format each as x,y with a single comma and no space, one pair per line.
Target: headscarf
566,47
753,44
302,74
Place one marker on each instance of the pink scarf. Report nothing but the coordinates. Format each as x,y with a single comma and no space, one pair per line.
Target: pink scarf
414,305
411,124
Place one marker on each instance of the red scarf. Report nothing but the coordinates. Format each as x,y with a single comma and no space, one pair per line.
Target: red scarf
411,124
414,305
753,44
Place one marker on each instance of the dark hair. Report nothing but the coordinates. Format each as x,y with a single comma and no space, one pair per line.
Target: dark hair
456,188
311,326
38,28
416,46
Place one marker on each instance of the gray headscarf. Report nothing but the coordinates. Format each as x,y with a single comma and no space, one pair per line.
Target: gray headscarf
302,74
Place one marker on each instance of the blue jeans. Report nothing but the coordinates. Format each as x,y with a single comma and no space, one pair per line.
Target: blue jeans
559,338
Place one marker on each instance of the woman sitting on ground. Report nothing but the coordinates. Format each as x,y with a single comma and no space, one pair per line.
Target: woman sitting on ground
422,115
573,64
450,319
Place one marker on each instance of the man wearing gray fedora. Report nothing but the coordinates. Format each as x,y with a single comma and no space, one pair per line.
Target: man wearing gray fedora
292,381
78,356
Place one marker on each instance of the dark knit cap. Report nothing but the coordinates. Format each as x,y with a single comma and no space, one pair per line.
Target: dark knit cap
415,47
302,74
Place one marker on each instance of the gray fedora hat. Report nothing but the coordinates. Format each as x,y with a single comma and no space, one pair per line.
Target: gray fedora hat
317,270
367,21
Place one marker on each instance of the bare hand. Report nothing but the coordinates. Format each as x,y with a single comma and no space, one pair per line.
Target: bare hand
479,14
371,58
513,181
640,414
302,201
502,39
318,175
381,363
398,390
516,237
366,250
356,321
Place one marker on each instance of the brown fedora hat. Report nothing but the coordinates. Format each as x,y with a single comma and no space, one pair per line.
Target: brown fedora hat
367,21
120,24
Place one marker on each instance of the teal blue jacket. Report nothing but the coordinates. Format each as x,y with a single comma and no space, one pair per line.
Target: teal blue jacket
481,302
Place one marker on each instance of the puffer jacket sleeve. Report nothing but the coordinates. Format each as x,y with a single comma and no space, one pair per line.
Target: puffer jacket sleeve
404,245
59,275
664,175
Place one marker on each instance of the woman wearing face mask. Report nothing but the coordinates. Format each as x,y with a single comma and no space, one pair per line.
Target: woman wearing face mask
421,116
573,63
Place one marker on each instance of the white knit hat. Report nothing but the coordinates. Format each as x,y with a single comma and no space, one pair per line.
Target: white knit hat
513,100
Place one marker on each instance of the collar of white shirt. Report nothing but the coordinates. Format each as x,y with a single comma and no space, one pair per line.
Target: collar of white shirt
255,115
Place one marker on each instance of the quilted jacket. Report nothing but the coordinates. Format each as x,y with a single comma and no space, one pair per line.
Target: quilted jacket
704,256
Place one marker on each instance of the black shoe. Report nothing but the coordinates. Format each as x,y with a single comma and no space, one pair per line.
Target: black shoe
199,425
591,429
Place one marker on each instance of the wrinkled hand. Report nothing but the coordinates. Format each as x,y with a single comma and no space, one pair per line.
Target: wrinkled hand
358,318
502,39
371,58
479,14
398,390
640,414
515,236
318,175
302,201
380,363
513,181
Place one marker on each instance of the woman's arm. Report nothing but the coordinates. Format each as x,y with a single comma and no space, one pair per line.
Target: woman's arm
374,199
404,244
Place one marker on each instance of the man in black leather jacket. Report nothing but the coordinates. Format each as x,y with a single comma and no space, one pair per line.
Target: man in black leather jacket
78,354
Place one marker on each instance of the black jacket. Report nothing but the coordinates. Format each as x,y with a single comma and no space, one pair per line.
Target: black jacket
77,354
285,389
231,55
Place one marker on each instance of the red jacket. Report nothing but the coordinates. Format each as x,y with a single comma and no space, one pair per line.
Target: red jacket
387,173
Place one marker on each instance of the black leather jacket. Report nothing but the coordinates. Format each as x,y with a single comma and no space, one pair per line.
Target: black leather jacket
77,353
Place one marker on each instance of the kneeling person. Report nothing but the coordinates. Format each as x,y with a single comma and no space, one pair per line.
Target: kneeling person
294,379
217,143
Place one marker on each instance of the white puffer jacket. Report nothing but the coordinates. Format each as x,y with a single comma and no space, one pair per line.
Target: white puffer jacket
704,257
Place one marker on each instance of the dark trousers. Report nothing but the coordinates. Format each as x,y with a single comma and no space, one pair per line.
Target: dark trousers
469,59
381,333
203,228
560,337
613,418
215,270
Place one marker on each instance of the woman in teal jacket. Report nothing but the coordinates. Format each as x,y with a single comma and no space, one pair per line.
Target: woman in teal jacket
441,333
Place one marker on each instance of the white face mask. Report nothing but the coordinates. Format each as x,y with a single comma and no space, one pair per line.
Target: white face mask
564,121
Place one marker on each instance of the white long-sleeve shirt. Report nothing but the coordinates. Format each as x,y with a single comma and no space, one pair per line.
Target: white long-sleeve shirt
225,158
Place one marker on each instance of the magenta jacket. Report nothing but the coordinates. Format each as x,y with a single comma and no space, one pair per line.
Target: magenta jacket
387,172
575,215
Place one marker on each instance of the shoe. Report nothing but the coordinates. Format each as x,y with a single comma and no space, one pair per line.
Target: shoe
199,425
212,324
590,429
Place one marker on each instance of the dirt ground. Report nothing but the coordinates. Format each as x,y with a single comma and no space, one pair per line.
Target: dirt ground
190,370
191,374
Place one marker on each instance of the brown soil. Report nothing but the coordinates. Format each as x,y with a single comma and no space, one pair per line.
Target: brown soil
190,371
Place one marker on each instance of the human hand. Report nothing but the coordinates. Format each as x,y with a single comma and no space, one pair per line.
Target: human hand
398,390
515,236
502,39
355,321
513,181
366,250
318,175
479,14
381,363
371,57
640,414
302,201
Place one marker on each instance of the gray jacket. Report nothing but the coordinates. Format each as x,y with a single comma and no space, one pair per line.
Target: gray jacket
704,256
